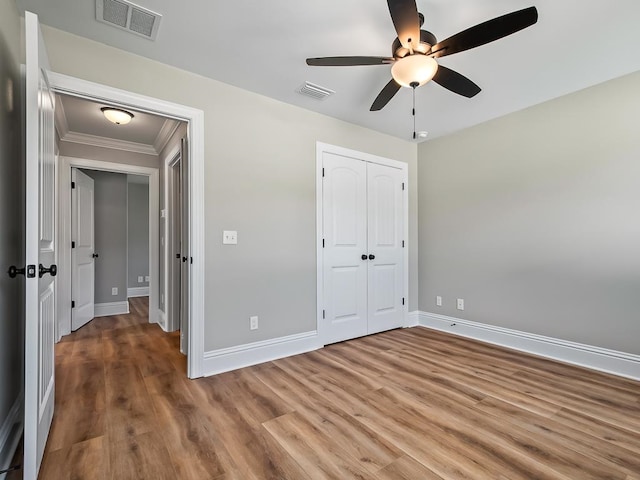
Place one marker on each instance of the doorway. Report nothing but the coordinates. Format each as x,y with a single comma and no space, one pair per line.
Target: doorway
194,320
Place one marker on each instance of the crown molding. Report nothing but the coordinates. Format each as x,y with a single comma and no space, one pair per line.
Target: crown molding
96,141
169,127
62,127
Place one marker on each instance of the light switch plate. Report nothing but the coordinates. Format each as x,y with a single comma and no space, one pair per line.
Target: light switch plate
146,278
230,237
140,279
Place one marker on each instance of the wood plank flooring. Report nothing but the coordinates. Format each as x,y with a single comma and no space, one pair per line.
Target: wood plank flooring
408,404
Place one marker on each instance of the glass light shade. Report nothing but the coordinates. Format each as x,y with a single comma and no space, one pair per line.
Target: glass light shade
117,116
414,68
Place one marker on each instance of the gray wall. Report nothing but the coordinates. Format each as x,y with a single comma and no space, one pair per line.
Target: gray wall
111,235
12,220
137,234
259,181
533,219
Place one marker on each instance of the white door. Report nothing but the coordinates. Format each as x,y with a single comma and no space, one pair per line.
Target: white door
345,248
386,257
184,245
83,253
40,306
363,254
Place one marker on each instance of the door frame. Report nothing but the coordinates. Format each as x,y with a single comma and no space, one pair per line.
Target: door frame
172,161
322,148
77,87
65,232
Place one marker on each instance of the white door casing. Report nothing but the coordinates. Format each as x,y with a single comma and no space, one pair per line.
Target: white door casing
362,250
345,242
40,298
82,259
68,85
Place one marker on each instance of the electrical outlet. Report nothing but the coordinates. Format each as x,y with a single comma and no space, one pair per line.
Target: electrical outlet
146,278
114,291
439,301
140,279
230,237
253,323
461,304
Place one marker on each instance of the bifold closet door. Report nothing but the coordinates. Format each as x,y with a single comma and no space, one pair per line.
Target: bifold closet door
363,254
345,273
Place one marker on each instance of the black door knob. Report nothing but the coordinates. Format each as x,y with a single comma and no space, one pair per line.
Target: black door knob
52,270
14,272
372,257
95,255
364,256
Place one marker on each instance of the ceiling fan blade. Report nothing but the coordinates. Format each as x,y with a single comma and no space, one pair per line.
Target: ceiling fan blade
455,82
486,32
386,94
404,15
348,61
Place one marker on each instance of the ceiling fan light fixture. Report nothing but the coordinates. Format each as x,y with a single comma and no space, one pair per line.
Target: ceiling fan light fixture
117,115
416,68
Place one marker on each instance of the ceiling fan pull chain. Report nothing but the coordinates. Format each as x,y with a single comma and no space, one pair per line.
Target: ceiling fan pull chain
413,111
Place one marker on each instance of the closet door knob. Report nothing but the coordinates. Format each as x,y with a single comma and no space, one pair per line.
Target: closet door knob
372,257
364,256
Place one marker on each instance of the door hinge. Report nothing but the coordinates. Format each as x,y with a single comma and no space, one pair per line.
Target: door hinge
403,300
322,313
73,244
403,185
323,243
323,171
73,304
191,260
73,184
402,243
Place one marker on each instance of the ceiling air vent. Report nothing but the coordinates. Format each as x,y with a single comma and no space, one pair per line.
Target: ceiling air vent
315,91
128,16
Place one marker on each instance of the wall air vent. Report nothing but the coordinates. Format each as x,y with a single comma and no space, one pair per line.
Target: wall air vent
128,16
315,91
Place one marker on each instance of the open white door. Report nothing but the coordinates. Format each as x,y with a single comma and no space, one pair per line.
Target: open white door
83,253
184,246
40,314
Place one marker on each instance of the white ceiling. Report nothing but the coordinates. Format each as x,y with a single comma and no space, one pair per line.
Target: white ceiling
81,121
261,46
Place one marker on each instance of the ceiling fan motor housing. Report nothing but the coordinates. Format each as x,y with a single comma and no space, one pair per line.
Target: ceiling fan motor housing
427,40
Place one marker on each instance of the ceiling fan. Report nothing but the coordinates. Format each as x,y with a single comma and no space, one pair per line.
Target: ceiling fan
414,50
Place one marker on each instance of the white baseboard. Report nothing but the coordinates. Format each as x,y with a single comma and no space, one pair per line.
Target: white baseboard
226,359
413,319
589,356
10,434
138,292
112,308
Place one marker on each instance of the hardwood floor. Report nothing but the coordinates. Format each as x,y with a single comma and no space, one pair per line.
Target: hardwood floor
408,404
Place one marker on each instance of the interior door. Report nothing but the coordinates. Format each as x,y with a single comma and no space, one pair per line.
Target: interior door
40,250
345,248
83,255
386,257
185,247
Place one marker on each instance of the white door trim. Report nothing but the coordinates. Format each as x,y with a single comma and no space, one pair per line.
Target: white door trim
367,157
195,132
